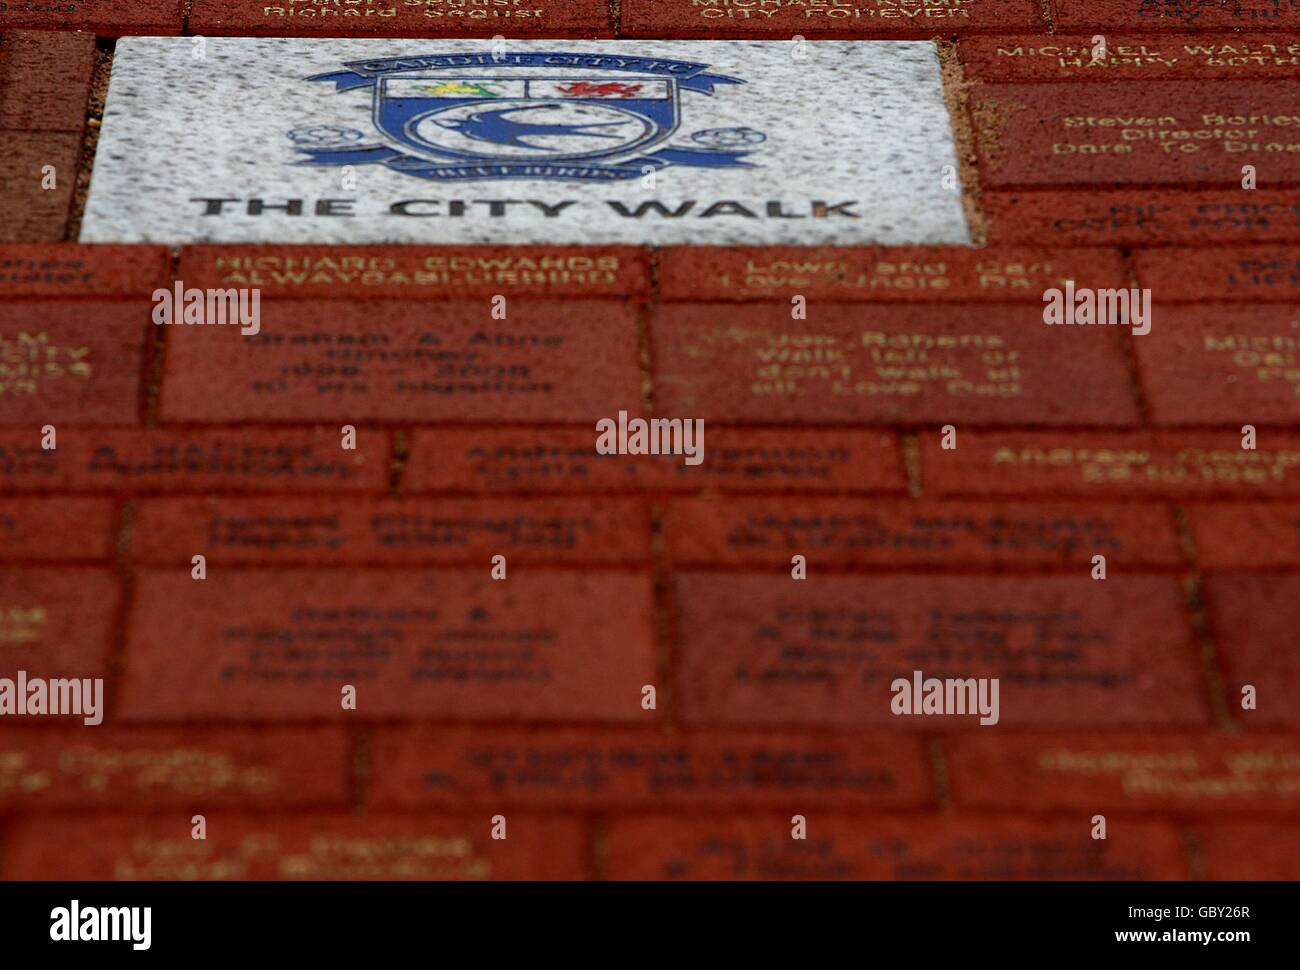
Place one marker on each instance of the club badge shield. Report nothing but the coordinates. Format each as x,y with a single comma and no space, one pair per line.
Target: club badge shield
548,116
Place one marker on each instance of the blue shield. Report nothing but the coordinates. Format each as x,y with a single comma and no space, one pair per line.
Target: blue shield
518,119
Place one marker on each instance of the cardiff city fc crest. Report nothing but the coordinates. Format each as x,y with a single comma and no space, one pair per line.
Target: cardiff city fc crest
533,115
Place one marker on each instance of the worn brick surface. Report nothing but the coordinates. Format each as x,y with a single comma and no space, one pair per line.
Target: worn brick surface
637,769
872,532
1178,14
738,459
784,19
410,272
45,80
1250,851
104,17
356,361
1252,616
71,363
902,274
839,847
1199,774
430,645
1112,465
1246,535
347,530
894,365
169,770
1068,651
1220,365
32,212
1131,57
56,621
1229,275
56,528
1125,217
70,270
305,846
402,18
1173,133
144,460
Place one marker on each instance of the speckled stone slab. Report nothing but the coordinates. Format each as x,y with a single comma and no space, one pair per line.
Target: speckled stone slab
283,140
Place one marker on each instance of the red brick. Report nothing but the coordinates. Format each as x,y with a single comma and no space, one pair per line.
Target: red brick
1130,57
1115,465
103,17
74,363
873,365
711,19
70,270
1253,617
1250,851
1067,650
1220,365
863,532
144,460
1190,774
1177,14
1141,217
1024,133
56,622
420,272
167,769
32,213
1239,273
318,361
403,18
482,460
1246,535
432,645
455,768
56,528
902,274
338,530
45,80
298,847
866,847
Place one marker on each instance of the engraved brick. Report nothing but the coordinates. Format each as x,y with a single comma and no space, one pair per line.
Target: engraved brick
33,213
359,361
170,769
71,270
56,622
848,847
402,18
1066,650
1208,365
420,272
434,645
900,365
1241,273
37,529
901,274
243,459
1114,465
45,80
1119,217
517,460
1177,133
1131,57
1189,774
320,531
455,768
1178,14
1246,535
1251,616
103,17
73,363
710,19
861,532
303,847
